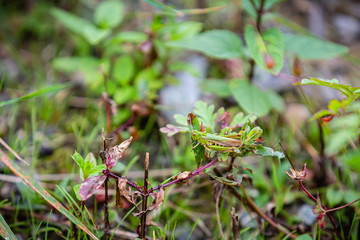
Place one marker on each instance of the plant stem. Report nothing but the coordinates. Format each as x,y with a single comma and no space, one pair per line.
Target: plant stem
259,12
269,220
106,209
144,198
109,174
314,199
194,173
309,194
344,206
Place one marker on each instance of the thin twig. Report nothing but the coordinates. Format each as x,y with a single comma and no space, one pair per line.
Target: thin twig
194,173
259,12
217,212
106,208
269,220
144,198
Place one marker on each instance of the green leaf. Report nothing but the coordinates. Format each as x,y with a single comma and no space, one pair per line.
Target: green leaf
306,47
46,90
86,169
240,119
161,6
180,119
5,230
205,113
335,105
97,169
76,191
91,158
250,98
125,94
70,21
132,37
345,89
339,140
221,44
78,159
124,69
109,14
276,101
304,237
180,30
352,159
28,179
80,26
334,197
351,195
74,64
94,35
270,43
219,87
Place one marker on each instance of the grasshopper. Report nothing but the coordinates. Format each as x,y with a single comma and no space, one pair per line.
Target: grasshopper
224,143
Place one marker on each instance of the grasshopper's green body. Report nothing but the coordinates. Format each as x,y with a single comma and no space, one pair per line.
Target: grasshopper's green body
226,142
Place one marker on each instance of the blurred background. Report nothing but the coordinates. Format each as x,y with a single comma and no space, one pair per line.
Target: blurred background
129,67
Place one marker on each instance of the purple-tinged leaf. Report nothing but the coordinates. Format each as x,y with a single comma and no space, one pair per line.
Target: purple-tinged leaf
171,130
115,153
87,188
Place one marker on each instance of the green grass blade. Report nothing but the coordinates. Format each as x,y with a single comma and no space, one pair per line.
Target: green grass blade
47,225
2,81
5,230
193,229
128,213
29,180
42,91
36,231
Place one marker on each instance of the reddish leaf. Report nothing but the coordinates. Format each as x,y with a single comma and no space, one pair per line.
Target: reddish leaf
115,153
88,187
171,130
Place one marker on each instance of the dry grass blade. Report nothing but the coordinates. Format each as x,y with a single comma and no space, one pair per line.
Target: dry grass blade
197,11
5,230
12,151
43,193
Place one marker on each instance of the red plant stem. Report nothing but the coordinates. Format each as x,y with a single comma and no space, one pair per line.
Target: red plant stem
309,194
109,174
344,206
194,173
326,211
